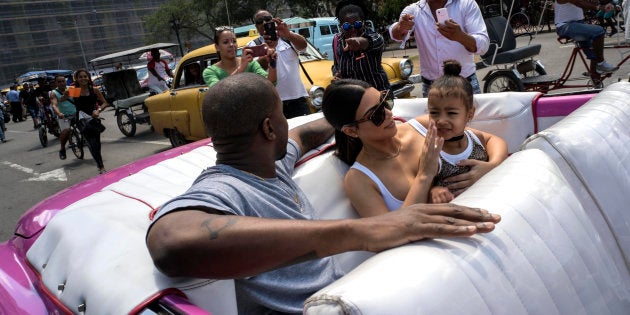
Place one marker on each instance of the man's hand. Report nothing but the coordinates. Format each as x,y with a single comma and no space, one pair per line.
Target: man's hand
281,28
406,23
450,29
421,221
353,44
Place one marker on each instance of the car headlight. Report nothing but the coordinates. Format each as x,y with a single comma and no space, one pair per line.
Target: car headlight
317,95
406,68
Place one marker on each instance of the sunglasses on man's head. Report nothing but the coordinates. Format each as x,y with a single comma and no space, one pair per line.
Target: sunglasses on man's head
377,114
348,26
266,18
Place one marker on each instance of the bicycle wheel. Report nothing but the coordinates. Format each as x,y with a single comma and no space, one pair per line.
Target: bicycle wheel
75,143
502,81
126,123
519,23
43,137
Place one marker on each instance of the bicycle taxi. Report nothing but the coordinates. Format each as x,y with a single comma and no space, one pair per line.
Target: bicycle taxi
122,87
518,69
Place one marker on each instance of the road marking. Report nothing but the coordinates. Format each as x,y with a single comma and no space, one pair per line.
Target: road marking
54,175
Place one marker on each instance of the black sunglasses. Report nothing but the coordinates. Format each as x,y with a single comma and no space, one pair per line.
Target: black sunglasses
347,26
377,113
266,18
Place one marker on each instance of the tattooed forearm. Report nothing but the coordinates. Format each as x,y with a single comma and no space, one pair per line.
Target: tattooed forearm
216,225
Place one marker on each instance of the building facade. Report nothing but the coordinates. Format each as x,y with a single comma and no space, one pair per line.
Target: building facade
67,34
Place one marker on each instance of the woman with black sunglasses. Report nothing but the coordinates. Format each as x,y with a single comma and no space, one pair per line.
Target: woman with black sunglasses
392,165
357,49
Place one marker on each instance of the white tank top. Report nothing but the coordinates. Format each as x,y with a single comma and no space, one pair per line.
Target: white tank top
567,12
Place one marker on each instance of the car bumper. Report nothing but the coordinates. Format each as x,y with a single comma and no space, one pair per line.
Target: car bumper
402,88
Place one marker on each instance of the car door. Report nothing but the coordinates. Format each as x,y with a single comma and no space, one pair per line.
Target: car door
186,99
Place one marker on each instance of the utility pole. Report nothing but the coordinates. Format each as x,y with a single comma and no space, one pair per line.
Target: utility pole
76,27
175,25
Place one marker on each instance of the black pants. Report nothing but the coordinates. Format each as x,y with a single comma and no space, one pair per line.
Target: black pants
16,111
94,144
295,108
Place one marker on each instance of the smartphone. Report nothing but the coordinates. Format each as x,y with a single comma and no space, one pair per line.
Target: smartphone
270,29
259,50
442,15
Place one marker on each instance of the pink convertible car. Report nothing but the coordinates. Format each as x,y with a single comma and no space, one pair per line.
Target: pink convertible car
563,246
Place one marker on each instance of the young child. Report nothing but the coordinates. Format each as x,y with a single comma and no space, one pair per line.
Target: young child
450,106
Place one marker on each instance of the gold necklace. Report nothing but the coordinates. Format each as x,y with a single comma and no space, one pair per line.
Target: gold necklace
386,157
291,192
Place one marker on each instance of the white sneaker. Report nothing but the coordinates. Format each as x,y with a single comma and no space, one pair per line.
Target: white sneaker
605,67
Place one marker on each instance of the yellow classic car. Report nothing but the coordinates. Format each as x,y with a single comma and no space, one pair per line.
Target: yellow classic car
176,113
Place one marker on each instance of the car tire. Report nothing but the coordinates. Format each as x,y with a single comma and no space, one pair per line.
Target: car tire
177,139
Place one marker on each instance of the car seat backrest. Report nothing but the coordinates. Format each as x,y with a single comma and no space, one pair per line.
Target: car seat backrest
115,85
506,114
592,142
496,27
544,257
122,84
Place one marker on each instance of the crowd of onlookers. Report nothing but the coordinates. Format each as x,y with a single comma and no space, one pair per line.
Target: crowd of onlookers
23,101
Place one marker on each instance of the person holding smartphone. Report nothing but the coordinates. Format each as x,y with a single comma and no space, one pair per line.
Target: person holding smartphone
357,49
231,64
288,45
462,36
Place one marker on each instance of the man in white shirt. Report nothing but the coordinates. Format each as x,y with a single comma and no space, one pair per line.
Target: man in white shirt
289,44
158,72
461,37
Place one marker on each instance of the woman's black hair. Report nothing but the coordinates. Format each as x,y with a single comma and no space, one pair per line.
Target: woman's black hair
339,105
345,7
452,84
76,75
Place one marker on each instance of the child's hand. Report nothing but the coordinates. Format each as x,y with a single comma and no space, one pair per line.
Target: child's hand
439,194
459,183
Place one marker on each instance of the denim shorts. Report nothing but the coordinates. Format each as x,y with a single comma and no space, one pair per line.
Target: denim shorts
580,31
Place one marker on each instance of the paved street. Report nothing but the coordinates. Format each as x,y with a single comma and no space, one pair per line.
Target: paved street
30,173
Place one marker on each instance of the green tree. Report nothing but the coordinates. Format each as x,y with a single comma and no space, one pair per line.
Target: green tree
198,18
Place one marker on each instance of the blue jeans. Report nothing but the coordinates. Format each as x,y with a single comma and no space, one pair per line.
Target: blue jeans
472,79
583,34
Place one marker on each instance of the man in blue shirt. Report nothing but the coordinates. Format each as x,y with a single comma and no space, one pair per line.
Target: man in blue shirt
16,106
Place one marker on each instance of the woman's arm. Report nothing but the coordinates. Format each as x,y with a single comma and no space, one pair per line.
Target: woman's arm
427,167
211,75
101,99
364,195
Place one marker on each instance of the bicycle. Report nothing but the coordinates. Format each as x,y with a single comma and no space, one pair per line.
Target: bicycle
75,140
48,124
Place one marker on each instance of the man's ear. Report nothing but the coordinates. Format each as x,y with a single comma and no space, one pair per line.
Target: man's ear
350,131
267,129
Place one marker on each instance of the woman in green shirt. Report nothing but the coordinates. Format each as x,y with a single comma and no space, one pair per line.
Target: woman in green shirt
229,64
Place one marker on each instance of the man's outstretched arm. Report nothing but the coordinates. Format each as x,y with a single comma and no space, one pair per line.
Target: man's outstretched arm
195,243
